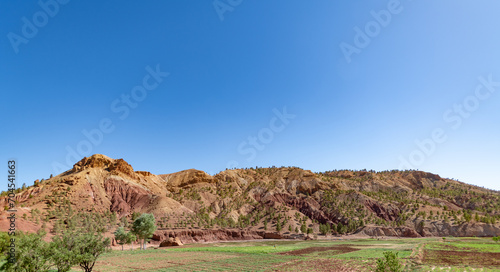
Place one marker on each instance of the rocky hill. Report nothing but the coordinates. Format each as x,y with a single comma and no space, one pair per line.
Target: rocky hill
285,202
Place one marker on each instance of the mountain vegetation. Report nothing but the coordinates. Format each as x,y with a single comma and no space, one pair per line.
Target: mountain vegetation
105,194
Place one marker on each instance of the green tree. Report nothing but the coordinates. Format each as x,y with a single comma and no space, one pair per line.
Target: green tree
4,242
341,228
303,228
389,263
467,216
135,215
32,254
123,237
89,247
80,244
278,226
325,228
144,227
63,251
496,239
309,230
130,238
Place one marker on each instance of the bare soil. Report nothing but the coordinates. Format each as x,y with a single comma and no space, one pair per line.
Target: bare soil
452,257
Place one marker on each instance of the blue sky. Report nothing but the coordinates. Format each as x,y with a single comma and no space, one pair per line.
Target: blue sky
420,71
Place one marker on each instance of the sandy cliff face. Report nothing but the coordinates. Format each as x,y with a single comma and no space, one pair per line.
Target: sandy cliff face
196,206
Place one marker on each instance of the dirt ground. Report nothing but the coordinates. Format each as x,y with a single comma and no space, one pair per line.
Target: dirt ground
451,257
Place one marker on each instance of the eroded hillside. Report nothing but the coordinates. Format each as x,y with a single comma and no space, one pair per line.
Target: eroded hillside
262,202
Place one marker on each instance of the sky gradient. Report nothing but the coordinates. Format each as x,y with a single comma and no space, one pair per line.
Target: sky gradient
172,85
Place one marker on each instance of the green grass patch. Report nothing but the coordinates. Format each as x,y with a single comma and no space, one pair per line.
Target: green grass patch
240,249
372,253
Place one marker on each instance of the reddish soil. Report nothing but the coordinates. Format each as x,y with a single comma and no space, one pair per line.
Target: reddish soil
338,249
452,257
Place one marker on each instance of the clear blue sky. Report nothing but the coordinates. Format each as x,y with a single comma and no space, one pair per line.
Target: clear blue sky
228,78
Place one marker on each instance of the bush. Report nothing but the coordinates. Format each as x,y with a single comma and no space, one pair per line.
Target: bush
324,229
4,242
303,228
80,245
32,254
63,251
389,263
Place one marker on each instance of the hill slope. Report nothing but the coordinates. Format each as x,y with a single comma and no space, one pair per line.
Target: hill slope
262,202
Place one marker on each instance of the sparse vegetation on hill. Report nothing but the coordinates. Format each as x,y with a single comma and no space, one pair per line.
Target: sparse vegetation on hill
286,201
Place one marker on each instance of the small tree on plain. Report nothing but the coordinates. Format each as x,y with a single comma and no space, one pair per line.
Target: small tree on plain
389,263
121,236
131,238
144,227
90,247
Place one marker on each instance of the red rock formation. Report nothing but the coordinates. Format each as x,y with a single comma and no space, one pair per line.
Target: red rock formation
306,205
125,197
385,212
196,236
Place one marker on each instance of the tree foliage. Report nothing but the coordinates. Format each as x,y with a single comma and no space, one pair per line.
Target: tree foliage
90,247
80,244
4,242
325,229
144,227
63,251
389,263
32,254
124,237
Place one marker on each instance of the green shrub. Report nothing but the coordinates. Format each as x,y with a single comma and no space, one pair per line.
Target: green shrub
4,242
389,263
324,229
123,237
32,254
